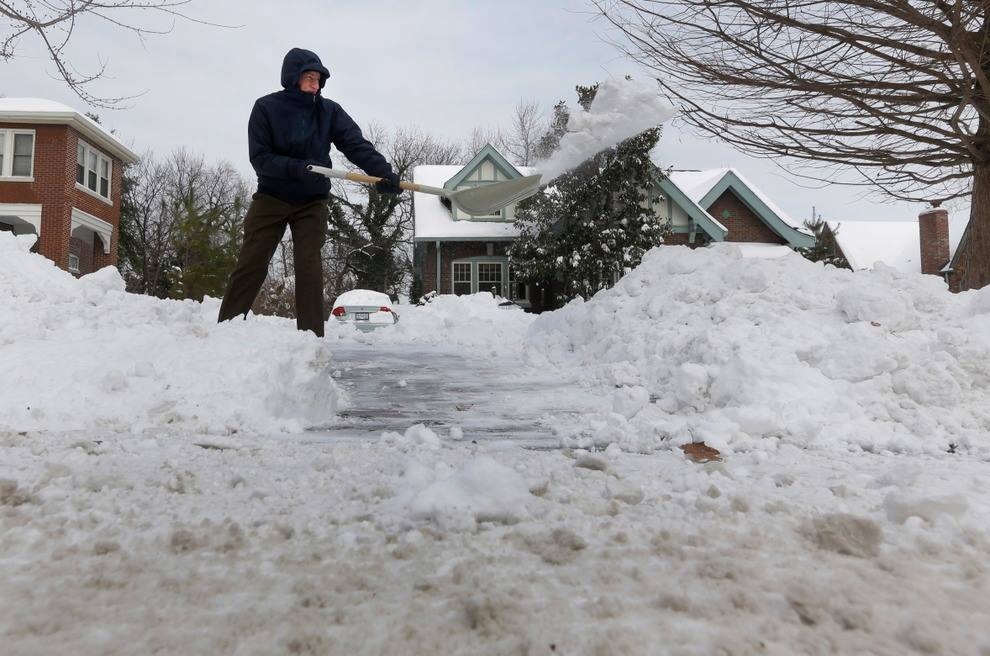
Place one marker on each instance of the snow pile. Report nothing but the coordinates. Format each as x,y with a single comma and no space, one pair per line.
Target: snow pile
482,490
475,320
79,354
621,109
710,346
417,436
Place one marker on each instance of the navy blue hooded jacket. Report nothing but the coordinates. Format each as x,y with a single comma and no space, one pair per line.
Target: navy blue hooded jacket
289,129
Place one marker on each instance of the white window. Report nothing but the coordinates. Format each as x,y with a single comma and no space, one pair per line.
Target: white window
490,277
462,278
73,263
81,163
497,214
16,154
472,276
93,170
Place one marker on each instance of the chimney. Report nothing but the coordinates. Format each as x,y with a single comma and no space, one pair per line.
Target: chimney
933,228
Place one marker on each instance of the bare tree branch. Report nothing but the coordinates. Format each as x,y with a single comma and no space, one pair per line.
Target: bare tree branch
523,135
896,91
894,88
54,22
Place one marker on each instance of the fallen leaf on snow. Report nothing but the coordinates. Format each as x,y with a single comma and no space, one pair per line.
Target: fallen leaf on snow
700,452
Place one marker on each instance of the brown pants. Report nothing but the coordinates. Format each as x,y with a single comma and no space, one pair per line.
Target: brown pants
264,226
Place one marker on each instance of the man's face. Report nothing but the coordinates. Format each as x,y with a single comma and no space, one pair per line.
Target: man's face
309,82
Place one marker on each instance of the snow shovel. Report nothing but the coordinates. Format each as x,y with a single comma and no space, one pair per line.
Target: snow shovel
476,201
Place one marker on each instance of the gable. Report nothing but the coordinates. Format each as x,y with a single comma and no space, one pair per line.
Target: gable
434,220
486,166
760,207
714,191
686,215
741,221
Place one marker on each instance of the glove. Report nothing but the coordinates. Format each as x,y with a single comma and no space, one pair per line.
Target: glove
389,184
303,170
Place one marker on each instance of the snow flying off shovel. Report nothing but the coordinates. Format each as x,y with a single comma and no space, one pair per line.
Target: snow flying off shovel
476,201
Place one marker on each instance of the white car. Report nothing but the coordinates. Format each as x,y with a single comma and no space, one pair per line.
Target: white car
364,308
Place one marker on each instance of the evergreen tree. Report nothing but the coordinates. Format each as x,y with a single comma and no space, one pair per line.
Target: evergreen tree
824,249
596,221
549,142
207,244
207,209
179,218
130,247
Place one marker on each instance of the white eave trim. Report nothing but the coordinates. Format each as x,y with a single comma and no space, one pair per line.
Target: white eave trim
91,131
25,212
81,219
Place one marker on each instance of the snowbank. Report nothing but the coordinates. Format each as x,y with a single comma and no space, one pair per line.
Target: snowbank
78,354
709,345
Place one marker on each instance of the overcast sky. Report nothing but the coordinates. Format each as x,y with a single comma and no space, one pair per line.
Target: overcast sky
444,67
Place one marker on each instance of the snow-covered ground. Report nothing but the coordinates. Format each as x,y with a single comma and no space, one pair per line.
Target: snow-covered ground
168,485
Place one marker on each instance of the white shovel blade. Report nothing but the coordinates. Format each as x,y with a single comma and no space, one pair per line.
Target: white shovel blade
480,201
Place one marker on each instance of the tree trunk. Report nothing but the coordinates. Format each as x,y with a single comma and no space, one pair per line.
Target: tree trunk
973,270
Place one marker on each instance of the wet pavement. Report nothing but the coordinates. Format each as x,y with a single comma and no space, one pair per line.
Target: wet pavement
490,398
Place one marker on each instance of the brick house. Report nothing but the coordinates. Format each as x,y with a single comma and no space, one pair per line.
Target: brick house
460,254
930,245
60,178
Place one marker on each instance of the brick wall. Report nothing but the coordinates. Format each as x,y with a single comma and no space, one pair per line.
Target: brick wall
741,222
47,189
97,206
54,187
84,251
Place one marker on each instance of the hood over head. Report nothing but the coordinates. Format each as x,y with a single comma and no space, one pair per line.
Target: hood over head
296,62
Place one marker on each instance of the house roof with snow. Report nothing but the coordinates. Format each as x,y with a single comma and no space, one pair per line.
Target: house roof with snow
435,220
43,111
864,243
696,191
895,243
693,192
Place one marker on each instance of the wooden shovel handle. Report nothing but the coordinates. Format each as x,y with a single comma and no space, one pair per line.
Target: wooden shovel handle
370,179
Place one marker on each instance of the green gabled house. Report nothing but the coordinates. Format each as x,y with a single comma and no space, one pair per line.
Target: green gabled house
460,254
